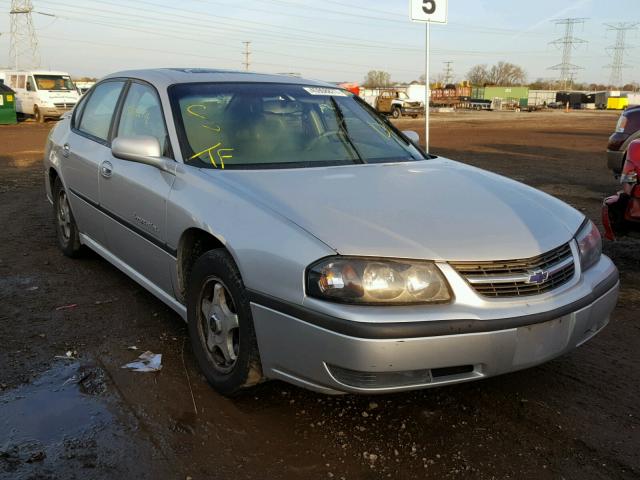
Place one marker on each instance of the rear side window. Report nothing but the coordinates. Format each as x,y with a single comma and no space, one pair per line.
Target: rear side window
98,111
142,115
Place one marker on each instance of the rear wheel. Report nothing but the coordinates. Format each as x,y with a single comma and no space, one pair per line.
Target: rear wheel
396,113
220,324
66,229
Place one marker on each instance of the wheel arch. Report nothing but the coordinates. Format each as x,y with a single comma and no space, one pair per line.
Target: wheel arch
52,176
193,242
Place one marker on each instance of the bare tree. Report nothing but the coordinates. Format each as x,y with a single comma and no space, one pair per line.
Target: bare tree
502,73
478,75
377,78
505,73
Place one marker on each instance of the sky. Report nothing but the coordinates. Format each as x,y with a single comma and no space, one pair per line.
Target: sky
330,40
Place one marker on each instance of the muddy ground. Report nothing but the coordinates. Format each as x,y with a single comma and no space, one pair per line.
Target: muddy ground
82,416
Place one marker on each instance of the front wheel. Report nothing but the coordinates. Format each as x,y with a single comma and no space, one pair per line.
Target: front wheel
396,113
37,114
221,325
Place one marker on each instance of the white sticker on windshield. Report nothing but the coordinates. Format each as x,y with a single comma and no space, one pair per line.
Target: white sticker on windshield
331,92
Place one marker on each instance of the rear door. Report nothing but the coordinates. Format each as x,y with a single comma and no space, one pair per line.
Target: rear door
86,147
135,195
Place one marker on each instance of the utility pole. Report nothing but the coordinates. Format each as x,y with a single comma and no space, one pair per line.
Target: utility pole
566,45
246,54
23,43
448,72
617,62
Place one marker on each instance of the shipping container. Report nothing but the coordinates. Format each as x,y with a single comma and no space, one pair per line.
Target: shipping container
617,103
541,98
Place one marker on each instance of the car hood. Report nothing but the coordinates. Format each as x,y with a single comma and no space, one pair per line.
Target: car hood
433,209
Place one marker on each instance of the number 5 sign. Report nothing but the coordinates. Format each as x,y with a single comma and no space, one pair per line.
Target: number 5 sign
434,11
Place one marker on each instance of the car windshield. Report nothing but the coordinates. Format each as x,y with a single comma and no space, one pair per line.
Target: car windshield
255,125
54,82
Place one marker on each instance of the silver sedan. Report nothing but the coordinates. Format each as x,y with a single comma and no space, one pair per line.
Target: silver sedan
304,238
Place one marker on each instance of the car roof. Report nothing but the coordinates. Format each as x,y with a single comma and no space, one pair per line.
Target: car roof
164,77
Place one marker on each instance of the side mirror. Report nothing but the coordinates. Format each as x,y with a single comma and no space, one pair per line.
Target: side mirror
142,149
411,135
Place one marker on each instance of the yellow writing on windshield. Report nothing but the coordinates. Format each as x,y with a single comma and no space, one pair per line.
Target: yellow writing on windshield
215,151
191,112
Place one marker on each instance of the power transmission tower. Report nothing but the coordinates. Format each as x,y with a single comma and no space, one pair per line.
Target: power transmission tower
566,45
448,72
23,44
246,54
617,63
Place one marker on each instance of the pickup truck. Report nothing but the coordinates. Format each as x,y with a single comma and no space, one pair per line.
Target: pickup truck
397,104
627,130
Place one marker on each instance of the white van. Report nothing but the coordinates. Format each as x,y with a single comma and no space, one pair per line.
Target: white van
41,93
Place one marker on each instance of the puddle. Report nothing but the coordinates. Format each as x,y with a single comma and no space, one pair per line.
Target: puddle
56,416
52,407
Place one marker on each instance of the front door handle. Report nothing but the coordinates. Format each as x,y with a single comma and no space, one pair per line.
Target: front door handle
106,169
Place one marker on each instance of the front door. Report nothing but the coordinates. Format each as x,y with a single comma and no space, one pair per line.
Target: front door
86,147
29,96
135,195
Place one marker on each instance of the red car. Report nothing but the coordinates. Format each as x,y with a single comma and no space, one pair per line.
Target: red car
621,212
627,130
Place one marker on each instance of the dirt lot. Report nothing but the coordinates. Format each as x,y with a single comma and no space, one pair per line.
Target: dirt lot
85,417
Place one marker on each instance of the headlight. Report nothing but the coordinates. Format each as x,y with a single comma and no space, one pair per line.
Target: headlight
376,281
590,244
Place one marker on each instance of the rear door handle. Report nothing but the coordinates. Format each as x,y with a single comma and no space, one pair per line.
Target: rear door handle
106,169
65,150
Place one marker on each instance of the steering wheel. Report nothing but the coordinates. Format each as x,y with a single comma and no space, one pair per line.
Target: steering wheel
322,136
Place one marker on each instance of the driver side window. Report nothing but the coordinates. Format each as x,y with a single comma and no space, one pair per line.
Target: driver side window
142,115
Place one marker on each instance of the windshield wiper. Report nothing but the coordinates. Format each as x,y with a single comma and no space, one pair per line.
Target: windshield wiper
342,126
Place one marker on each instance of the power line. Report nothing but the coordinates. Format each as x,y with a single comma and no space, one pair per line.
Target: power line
246,54
23,44
566,45
448,72
617,63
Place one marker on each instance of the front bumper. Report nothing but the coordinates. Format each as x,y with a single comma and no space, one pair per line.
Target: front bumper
55,112
412,110
296,349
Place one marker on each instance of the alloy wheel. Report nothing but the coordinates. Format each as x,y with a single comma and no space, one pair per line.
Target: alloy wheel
64,216
218,325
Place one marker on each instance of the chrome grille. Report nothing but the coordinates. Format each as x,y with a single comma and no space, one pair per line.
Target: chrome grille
65,105
512,278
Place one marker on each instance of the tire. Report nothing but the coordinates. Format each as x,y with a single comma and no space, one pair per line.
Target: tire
396,113
67,235
37,114
619,224
227,354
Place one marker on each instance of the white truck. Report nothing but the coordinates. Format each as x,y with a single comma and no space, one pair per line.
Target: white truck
41,93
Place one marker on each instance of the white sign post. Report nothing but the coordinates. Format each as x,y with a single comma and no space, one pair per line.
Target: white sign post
428,11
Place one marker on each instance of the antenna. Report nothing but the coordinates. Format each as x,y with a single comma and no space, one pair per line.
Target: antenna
246,53
448,72
23,45
566,44
617,63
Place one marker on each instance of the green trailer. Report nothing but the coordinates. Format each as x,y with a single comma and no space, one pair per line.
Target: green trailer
7,106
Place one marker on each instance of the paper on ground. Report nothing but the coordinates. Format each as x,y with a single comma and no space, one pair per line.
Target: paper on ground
147,362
